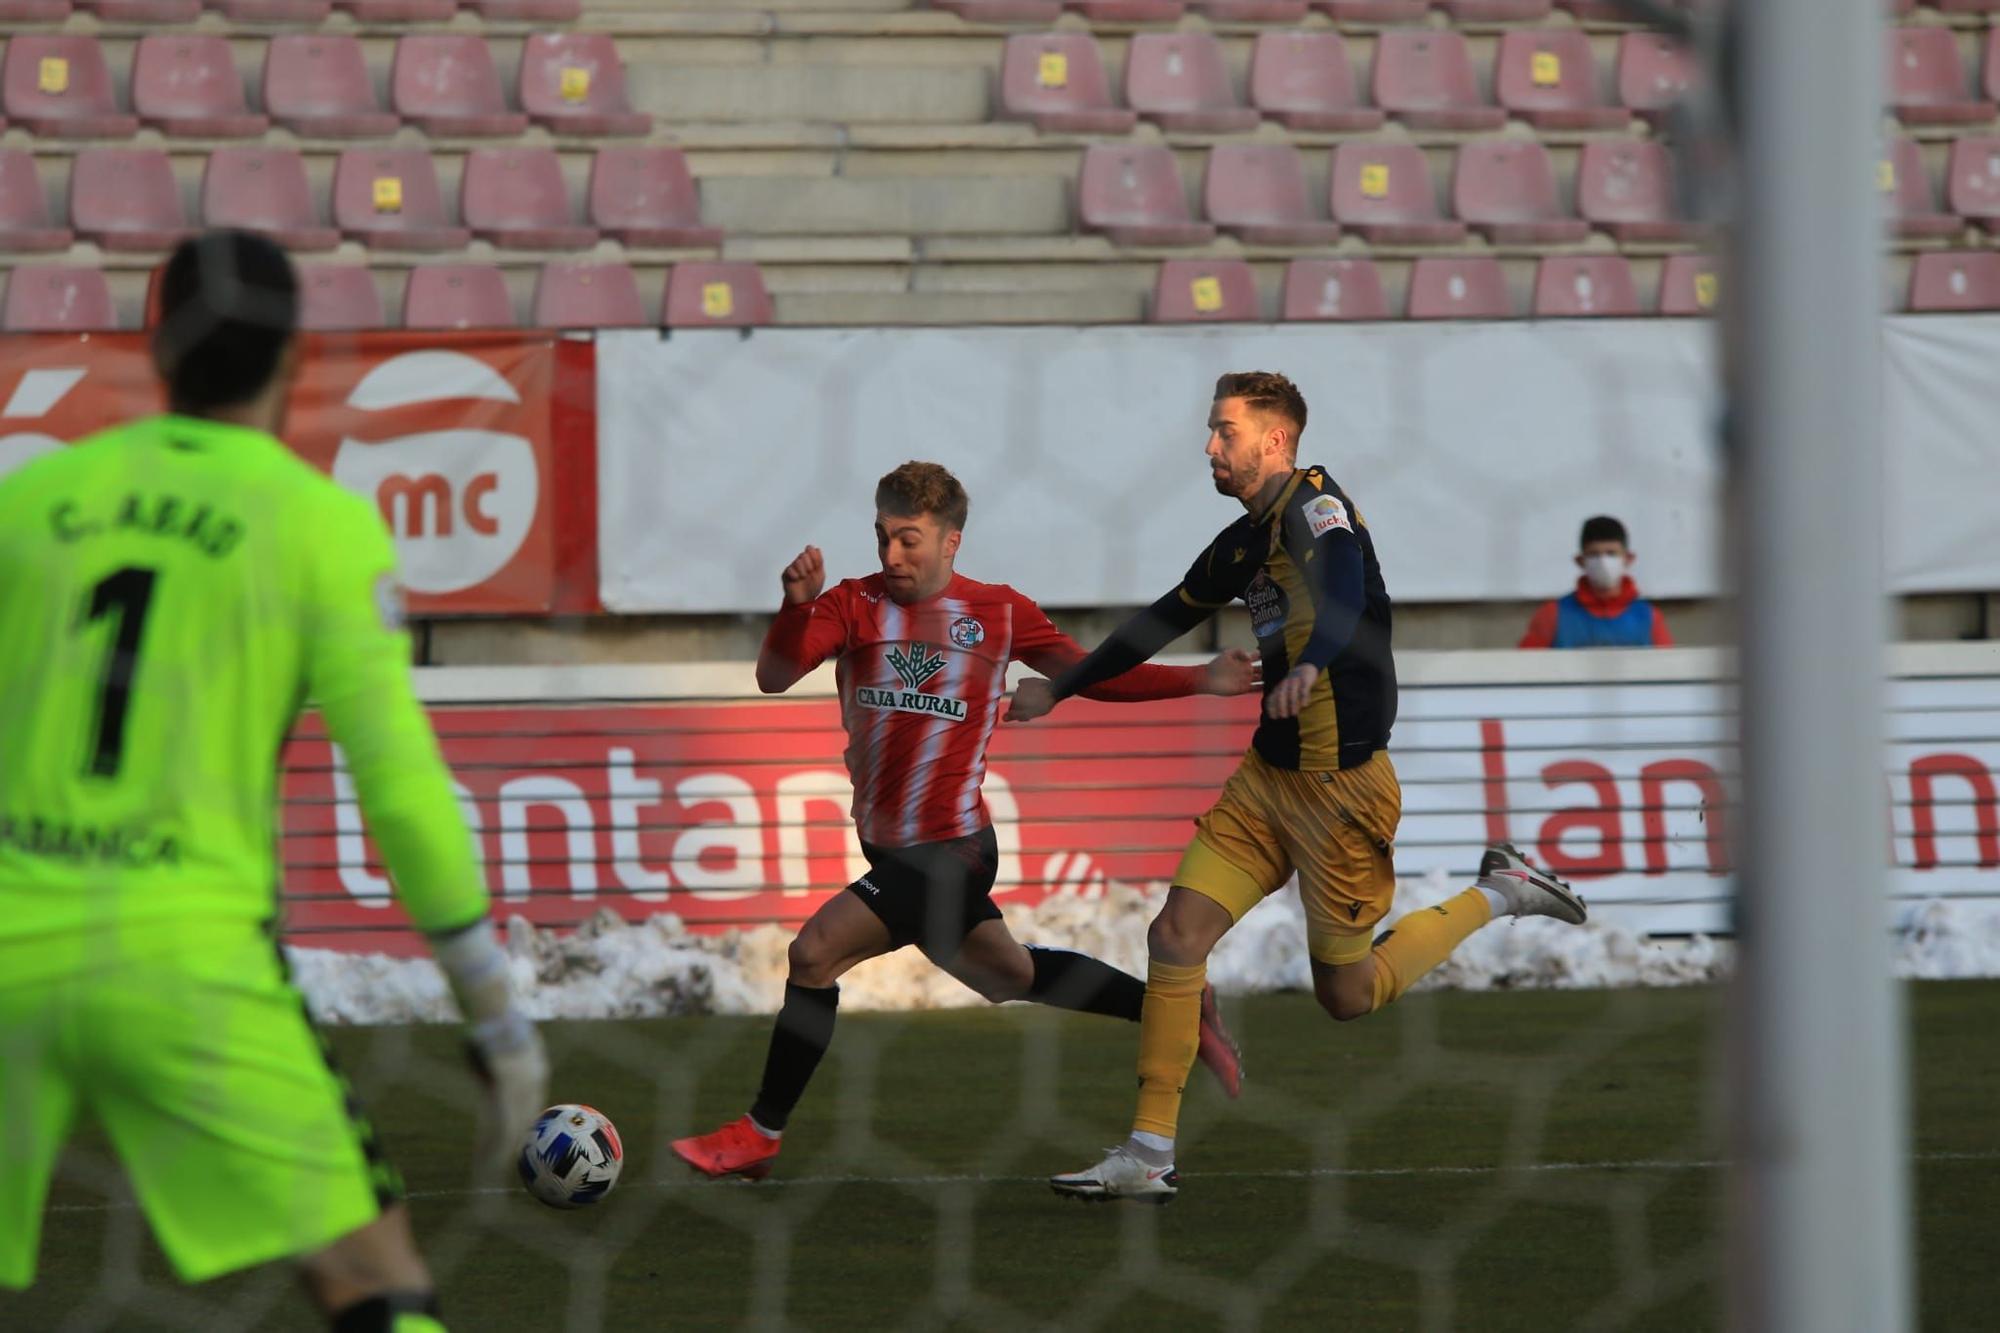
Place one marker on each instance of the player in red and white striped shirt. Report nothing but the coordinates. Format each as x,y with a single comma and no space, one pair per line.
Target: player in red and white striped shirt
921,662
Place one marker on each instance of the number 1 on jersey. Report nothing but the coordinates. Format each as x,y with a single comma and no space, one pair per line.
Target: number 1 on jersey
127,594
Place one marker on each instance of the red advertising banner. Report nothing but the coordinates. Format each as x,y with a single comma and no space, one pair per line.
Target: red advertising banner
455,436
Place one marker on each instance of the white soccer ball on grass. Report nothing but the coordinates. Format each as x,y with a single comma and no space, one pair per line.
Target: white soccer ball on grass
572,1156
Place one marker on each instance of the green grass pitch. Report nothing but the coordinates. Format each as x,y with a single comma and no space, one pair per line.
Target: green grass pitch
1540,1160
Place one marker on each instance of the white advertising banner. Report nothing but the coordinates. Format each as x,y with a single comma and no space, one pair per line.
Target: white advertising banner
1474,452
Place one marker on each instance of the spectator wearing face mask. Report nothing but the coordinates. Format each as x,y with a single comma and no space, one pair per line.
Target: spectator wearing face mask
1606,610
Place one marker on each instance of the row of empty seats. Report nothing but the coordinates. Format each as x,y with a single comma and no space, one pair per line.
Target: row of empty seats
127,199
445,84
1341,11
61,298
291,11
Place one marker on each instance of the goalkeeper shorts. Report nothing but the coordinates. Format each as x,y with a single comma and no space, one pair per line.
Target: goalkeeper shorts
243,1143
1337,830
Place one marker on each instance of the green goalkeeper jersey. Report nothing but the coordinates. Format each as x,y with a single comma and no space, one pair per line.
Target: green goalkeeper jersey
172,593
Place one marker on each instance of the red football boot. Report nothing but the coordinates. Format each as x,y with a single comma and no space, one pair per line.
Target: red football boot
1218,1049
737,1149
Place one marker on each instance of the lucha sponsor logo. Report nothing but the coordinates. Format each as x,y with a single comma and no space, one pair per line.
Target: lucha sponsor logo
967,632
917,664
911,701
1326,513
1268,606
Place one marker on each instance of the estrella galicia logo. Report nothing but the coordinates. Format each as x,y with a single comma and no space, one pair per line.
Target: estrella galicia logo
917,665
967,632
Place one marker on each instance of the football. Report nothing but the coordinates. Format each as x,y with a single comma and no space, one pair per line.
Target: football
572,1156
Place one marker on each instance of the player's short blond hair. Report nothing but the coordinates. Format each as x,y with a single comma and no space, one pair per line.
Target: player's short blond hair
924,488
1267,391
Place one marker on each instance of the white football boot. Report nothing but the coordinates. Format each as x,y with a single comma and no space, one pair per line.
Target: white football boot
1528,891
1120,1176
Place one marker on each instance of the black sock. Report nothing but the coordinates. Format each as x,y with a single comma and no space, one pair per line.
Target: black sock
803,1032
378,1314
1077,981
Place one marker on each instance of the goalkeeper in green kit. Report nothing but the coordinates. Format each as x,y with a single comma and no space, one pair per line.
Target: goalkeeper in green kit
171,593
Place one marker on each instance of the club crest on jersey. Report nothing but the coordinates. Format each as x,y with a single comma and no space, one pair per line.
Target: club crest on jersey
916,666
967,632
1325,513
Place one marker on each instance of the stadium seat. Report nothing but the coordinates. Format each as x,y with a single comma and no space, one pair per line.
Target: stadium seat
1190,291
57,299
1002,11
1250,11
1626,187
274,11
127,199
448,86
1955,280
1453,288
571,295
1496,11
574,83
458,296
264,190
1258,193
339,298
1057,80
388,198
1382,189
1989,79
1374,11
1423,76
1654,72
1578,286
526,11
715,295
399,11
59,87
1337,289
517,199
1913,211
318,87
26,226
1302,80
188,87
1180,80
1974,176
142,11
1126,11
1926,79
1594,11
1688,285
1133,194
34,11
1548,78
644,197
1507,189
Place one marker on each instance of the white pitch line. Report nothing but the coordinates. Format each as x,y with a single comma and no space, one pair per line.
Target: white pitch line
1302,1173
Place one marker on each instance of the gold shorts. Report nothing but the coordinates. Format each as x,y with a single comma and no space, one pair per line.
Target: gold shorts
1337,830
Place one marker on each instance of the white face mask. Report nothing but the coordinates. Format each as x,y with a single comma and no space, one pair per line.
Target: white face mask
1605,571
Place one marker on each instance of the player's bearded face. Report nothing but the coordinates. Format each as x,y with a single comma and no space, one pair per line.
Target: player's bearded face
917,553
1237,456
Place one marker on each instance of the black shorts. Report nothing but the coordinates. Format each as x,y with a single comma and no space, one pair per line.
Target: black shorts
932,894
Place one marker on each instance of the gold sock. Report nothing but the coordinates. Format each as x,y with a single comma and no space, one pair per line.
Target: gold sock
1424,939
1169,1036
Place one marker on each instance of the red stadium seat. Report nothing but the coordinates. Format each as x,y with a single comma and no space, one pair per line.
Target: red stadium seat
274,11
1374,11
1548,78
1002,11
458,296
1382,188
317,86
448,86
517,199
142,11
264,190
526,11
1926,79
1258,192
1956,280
1337,289
1688,285
188,86
1507,189
1452,288
127,199
1423,76
571,295
1626,187
716,295
59,87
1654,72
388,198
1974,176
339,298
1191,291
1913,211
57,299
399,11
1180,80
1580,286
1989,79
1250,11
1126,11
1496,11
1133,194
1594,11
34,11
645,197
1056,80
25,223
574,83
1303,81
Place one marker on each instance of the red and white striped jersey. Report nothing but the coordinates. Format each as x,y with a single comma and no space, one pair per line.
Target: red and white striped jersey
921,687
